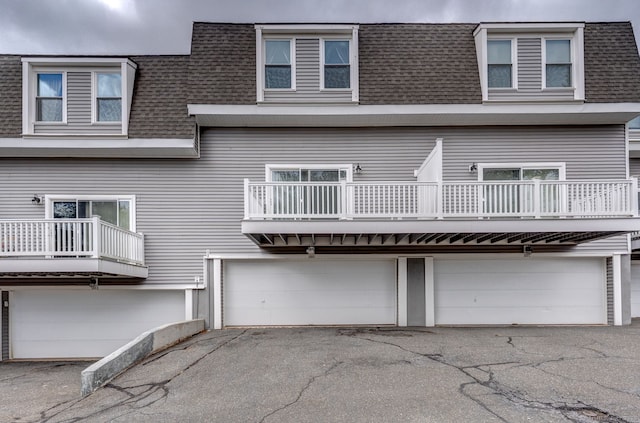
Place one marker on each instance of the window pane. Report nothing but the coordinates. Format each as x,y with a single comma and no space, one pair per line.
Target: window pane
635,123
124,214
501,174
64,210
336,52
49,85
109,85
278,52
324,175
84,209
285,175
499,52
543,174
109,109
337,77
107,210
277,77
49,109
558,51
499,76
558,75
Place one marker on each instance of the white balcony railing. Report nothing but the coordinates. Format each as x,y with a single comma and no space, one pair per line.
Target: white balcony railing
58,238
423,200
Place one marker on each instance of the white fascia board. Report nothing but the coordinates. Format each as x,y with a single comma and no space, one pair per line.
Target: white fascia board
70,266
529,27
99,147
307,28
78,61
443,226
412,115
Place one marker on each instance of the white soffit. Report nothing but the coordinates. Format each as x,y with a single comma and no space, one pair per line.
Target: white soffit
413,115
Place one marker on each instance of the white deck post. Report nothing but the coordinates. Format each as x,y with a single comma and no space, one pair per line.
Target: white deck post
537,196
217,294
95,222
634,196
429,291
617,289
439,200
343,199
402,291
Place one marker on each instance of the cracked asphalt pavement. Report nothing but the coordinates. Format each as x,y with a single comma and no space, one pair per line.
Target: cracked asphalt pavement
509,374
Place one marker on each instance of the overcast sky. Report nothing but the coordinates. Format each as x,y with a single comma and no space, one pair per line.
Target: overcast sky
164,26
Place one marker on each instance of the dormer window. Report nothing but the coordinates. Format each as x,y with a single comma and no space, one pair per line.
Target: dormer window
277,68
499,64
307,64
109,97
79,96
336,63
49,104
558,63
531,62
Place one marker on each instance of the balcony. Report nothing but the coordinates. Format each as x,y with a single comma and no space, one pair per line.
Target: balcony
377,214
69,248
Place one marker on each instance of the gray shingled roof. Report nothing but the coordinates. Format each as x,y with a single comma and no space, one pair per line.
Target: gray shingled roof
418,63
10,96
222,69
159,108
399,64
612,65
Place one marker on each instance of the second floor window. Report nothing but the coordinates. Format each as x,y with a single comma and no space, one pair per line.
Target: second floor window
558,63
499,63
277,69
109,97
49,97
337,72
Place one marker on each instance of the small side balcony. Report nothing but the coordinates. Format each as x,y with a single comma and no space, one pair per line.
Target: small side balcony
70,248
280,214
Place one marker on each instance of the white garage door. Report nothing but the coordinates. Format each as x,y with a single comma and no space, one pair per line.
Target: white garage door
635,289
66,323
523,291
309,292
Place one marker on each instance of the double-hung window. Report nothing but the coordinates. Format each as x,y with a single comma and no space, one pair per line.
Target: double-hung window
336,63
558,63
500,68
108,97
49,97
277,68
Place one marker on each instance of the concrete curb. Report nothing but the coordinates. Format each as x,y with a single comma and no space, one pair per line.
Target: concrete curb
102,371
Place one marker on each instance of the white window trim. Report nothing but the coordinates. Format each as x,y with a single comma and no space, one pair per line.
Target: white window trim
50,198
561,166
271,167
514,63
572,52
33,83
94,96
322,64
263,62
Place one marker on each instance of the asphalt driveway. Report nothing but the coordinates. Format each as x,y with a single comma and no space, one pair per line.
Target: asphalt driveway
512,374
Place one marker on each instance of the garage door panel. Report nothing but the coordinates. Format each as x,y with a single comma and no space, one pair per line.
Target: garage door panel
61,324
523,291
309,292
635,289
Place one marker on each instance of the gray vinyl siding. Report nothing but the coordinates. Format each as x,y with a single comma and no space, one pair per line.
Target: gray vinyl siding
188,206
308,68
529,76
78,98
